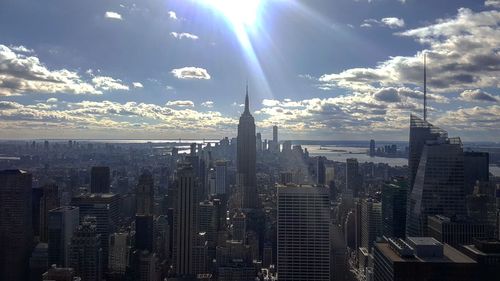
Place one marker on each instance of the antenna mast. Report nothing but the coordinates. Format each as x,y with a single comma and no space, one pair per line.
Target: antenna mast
425,88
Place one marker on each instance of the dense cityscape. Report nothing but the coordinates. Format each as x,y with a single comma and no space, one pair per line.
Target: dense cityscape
250,140
247,209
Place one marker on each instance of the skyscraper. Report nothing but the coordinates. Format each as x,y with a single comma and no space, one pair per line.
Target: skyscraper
438,188
99,180
303,233
16,233
49,201
371,222
476,168
246,157
220,177
421,131
352,176
85,251
62,222
184,220
145,195
394,198
372,148
275,134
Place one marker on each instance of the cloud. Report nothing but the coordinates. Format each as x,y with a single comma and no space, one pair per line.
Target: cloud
169,88
462,54
393,22
390,22
191,72
480,119
107,83
52,100
184,35
208,104
478,96
21,73
137,85
21,49
180,103
172,15
492,3
113,15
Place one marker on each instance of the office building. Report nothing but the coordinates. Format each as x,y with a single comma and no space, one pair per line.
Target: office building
184,221
144,228
105,208
352,176
62,222
220,177
438,186
421,258
320,170
275,134
16,233
145,195
99,180
86,252
55,273
372,148
457,231
476,169
303,233
394,197
246,157
371,222
486,252
119,252
239,226
49,201
38,262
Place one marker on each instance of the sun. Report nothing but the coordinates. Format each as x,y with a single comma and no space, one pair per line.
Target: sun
239,12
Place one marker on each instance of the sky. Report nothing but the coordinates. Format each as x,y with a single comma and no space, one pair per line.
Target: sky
319,69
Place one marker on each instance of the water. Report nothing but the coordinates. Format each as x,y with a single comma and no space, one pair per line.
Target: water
341,153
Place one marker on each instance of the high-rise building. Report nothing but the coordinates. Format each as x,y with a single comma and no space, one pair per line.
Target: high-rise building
372,148
439,185
119,252
62,222
144,233
86,252
145,195
352,176
49,201
55,273
38,262
303,233
246,157
394,197
421,131
486,252
457,231
184,220
321,170
476,169
275,134
220,177
421,258
371,222
239,226
105,208
259,142
99,180
16,233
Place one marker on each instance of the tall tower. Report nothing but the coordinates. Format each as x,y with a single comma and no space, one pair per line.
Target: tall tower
62,223
145,194
184,221
304,215
246,157
275,134
85,251
352,176
99,180
16,233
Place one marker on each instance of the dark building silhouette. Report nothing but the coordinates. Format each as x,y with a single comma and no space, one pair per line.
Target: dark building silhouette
62,223
49,201
457,231
16,233
394,208
246,157
85,251
486,252
352,176
476,169
145,195
99,180
144,233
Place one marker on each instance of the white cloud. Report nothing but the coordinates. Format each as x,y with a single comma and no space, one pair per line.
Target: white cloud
208,104
184,35
191,72
478,96
52,100
172,15
26,74
393,22
492,3
180,103
137,85
169,88
21,49
113,15
107,83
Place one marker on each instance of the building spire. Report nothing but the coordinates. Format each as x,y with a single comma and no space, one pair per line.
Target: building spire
247,107
425,88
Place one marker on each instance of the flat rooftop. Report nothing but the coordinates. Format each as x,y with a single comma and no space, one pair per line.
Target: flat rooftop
451,255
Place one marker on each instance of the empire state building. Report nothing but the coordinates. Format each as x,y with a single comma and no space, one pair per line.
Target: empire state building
246,154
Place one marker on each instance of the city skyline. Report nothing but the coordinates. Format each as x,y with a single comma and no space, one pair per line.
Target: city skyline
128,70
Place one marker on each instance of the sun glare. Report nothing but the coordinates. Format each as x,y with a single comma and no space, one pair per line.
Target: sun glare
238,12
